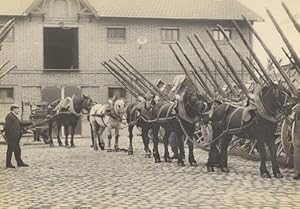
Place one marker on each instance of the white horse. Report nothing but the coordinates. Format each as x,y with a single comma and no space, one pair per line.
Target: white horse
108,116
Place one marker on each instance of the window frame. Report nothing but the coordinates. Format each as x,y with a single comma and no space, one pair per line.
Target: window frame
7,100
117,87
221,34
117,40
165,41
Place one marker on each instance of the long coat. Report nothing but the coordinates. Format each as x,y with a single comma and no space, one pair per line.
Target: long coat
12,128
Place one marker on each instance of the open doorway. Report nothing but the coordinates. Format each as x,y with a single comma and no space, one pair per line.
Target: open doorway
60,48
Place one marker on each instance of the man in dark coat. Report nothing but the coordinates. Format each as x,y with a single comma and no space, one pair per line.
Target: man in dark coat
13,133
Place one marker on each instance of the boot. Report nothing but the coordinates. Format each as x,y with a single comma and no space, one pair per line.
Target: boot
8,160
297,175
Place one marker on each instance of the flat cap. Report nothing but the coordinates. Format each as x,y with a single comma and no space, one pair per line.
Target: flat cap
14,106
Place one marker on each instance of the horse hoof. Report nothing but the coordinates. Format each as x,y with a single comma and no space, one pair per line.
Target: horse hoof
117,149
193,163
92,145
181,163
95,148
168,160
102,146
266,175
157,160
61,144
147,155
130,152
224,169
109,150
210,169
73,145
278,175
174,157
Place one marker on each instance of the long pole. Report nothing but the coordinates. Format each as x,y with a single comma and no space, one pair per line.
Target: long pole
233,71
216,84
141,75
183,68
242,59
250,49
206,88
235,93
272,57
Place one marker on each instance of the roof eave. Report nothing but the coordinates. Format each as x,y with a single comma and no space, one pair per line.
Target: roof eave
258,19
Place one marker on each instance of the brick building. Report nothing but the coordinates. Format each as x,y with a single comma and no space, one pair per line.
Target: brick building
58,44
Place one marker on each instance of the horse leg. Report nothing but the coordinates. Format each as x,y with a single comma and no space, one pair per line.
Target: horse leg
92,135
95,130
156,156
99,134
117,135
173,143
274,160
109,138
72,134
130,148
262,152
180,144
224,154
58,124
213,151
66,135
145,138
50,126
192,160
166,143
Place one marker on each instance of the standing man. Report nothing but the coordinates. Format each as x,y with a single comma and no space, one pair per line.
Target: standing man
296,141
13,133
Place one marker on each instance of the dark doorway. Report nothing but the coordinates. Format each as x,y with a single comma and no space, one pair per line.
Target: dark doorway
61,48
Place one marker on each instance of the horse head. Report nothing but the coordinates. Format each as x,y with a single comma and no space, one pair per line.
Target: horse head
196,104
277,99
120,109
83,102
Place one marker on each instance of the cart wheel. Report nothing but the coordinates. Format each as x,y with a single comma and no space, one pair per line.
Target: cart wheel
203,136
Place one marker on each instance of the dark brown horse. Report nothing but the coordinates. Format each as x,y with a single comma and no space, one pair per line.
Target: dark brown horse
227,120
179,117
137,115
67,115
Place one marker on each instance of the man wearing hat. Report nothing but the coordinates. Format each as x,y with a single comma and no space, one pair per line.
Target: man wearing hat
13,133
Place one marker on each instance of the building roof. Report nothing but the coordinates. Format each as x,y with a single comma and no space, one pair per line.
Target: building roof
177,9
159,9
14,7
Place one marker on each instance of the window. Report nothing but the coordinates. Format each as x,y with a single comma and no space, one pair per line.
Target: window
218,35
61,48
116,91
116,33
169,35
6,94
11,34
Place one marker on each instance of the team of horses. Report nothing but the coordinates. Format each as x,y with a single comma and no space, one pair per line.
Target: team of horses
180,116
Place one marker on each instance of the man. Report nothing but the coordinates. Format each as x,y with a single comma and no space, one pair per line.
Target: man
297,145
13,133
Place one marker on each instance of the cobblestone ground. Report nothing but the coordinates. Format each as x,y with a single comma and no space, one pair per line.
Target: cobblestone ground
83,178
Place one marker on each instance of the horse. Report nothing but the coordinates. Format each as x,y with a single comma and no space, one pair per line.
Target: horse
66,112
259,123
108,116
137,115
179,117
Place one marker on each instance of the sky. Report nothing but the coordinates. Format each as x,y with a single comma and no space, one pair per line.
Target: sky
267,30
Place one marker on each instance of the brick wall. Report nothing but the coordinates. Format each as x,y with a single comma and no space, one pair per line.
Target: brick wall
154,59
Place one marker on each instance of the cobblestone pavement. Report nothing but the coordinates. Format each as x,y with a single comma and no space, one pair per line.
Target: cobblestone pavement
83,178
